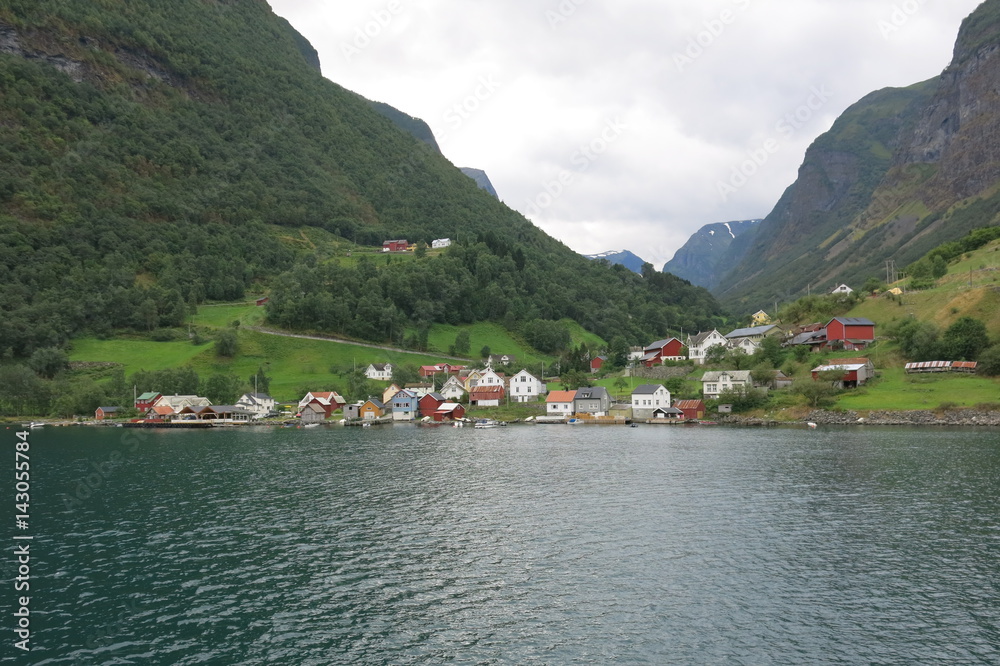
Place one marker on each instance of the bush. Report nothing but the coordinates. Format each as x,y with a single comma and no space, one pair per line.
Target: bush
162,335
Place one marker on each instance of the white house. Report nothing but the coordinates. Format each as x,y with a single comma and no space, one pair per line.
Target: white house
715,382
453,389
258,404
842,289
490,378
379,371
525,387
440,242
647,399
560,403
699,344
748,339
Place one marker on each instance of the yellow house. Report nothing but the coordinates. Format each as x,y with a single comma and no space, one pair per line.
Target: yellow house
372,409
760,318
390,391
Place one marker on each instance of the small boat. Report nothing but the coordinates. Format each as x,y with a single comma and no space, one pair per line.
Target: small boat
311,425
575,421
811,424
488,423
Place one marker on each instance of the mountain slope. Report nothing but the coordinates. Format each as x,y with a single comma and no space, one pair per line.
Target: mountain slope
712,251
155,155
900,171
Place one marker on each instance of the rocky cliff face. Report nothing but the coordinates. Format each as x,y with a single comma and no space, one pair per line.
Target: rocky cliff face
712,251
900,172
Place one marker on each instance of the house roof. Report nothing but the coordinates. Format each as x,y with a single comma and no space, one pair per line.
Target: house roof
404,394
701,337
715,375
109,410
162,410
659,344
592,393
380,367
560,396
689,404
852,321
647,389
808,337
447,407
486,392
668,410
435,396
846,367
374,401
148,395
750,332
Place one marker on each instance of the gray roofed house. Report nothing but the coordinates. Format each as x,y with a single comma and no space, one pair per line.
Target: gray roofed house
592,400
716,382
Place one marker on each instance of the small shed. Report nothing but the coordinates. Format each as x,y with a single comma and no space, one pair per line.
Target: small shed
106,413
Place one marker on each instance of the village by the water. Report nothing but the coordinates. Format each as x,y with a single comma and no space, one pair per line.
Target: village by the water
456,395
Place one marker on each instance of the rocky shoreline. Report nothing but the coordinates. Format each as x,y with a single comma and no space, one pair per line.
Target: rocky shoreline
950,417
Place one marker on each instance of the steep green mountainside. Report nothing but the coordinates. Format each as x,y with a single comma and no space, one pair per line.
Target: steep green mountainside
900,172
149,151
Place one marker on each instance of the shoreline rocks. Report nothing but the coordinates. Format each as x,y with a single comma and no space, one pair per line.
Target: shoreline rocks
949,417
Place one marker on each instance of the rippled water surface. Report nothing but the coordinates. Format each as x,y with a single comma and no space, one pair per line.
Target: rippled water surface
518,545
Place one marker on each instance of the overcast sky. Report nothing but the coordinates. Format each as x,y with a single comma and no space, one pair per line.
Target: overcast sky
629,124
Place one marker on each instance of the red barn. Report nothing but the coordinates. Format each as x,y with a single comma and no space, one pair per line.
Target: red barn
852,332
395,246
448,411
429,404
596,363
661,350
106,413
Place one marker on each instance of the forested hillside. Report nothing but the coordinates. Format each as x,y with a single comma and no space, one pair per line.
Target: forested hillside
152,152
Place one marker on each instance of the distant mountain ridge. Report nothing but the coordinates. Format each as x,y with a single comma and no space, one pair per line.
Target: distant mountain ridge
712,251
899,172
621,257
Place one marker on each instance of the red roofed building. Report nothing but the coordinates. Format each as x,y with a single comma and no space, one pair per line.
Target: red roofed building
852,332
486,396
693,409
448,411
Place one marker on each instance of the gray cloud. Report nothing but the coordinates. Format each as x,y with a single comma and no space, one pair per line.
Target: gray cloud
619,124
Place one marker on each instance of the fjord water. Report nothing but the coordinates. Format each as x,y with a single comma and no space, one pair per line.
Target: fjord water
518,545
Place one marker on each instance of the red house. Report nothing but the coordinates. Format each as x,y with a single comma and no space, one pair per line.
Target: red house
429,404
661,350
145,401
693,409
395,246
449,411
852,332
597,362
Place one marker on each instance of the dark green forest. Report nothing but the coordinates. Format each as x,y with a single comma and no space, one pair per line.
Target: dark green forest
148,150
